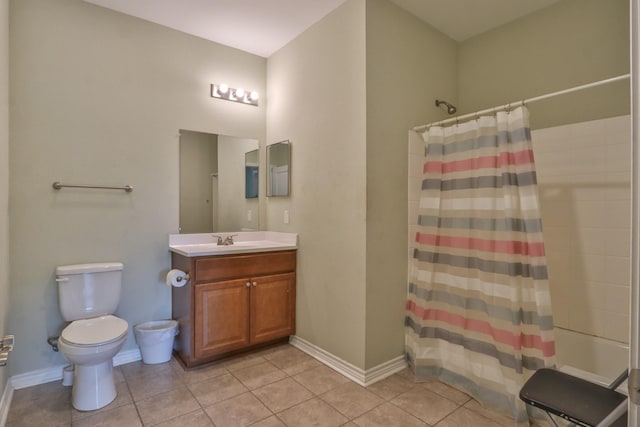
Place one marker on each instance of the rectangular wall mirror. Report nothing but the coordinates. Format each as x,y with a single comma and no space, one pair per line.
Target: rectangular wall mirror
213,183
278,169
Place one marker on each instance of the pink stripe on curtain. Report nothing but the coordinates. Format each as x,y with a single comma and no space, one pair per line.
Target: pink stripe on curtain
517,158
502,336
486,245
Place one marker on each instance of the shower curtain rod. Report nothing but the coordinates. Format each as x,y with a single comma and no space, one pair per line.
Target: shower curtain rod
523,102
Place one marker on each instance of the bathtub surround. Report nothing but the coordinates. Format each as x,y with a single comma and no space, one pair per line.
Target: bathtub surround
586,356
584,174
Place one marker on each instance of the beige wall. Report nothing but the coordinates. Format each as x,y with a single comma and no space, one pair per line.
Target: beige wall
4,179
409,65
349,167
584,177
571,43
316,94
99,97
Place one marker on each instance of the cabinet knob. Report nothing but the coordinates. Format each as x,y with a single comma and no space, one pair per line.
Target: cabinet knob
255,284
248,285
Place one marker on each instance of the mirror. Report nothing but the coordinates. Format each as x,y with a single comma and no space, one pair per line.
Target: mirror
251,174
213,183
278,168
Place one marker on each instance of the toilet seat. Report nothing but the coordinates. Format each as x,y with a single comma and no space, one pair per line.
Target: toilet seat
95,331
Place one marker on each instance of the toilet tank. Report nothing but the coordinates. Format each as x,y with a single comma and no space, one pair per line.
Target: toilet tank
88,290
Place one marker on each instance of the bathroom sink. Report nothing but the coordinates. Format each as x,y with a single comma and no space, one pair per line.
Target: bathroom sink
211,248
203,245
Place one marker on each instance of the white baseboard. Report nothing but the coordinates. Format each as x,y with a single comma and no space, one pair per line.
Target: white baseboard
5,402
54,373
385,370
360,376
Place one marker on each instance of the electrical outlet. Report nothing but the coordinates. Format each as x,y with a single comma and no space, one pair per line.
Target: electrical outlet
286,217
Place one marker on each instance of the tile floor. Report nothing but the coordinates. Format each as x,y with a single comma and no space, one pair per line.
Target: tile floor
280,386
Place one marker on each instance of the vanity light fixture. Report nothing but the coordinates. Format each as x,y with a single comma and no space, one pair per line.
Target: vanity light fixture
223,91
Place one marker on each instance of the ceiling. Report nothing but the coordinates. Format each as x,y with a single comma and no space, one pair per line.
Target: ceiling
262,27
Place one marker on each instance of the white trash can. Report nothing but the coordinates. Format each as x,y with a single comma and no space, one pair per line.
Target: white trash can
156,340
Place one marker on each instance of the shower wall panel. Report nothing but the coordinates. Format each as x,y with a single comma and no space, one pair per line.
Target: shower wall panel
584,173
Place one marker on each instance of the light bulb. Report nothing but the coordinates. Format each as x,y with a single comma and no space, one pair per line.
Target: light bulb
254,96
223,88
239,93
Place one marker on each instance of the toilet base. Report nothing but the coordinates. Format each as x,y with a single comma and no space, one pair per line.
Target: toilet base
93,386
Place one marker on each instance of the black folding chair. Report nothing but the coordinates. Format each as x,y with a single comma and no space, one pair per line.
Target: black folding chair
579,401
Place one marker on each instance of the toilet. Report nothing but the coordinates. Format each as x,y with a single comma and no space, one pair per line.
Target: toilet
88,295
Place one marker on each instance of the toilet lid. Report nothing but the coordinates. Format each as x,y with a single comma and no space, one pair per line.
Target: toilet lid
95,331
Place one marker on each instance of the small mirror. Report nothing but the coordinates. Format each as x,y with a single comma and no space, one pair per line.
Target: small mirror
279,169
251,174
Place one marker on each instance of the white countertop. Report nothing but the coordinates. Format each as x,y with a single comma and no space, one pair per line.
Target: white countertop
205,244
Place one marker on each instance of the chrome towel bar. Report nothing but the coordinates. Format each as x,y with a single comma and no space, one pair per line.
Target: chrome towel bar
57,185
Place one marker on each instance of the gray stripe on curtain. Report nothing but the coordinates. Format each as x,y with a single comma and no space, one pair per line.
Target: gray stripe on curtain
537,272
505,359
482,141
519,179
490,224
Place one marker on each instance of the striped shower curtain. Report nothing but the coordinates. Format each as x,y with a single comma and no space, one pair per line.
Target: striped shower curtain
479,308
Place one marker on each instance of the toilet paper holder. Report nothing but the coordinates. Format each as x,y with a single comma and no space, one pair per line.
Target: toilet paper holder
181,278
177,278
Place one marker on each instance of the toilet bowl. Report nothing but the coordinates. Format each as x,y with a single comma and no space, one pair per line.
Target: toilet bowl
88,295
90,345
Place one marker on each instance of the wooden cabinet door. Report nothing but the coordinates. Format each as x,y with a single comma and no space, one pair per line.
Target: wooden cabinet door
221,317
272,307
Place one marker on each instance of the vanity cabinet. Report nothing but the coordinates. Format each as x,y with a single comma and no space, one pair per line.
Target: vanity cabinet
233,303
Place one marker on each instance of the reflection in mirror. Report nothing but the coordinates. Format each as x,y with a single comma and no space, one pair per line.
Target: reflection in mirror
251,174
212,184
279,168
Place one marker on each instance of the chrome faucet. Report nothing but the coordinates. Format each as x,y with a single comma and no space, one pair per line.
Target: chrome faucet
228,240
